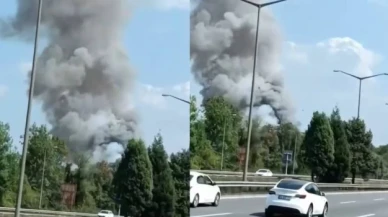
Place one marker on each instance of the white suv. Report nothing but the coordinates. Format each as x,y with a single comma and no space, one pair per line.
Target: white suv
203,190
290,196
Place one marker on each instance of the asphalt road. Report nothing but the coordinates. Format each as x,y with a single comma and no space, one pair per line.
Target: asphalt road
360,204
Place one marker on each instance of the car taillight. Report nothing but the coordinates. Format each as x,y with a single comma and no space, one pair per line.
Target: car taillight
300,196
271,192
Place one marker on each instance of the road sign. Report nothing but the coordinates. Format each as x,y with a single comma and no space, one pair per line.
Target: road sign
287,158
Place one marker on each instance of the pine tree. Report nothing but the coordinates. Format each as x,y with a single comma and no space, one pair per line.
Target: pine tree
180,165
163,192
319,145
341,146
360,142
133,180
341,166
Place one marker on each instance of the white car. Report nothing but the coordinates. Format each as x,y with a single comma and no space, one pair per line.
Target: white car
203,190
105,213
264,172
291,196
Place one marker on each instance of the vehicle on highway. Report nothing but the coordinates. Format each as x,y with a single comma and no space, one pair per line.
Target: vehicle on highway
105,213
203,190
291,196
264,172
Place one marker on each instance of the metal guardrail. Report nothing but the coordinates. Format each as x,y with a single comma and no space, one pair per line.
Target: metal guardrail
223,184
35,212
232,173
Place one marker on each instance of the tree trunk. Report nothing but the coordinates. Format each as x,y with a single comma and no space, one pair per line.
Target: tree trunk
353,177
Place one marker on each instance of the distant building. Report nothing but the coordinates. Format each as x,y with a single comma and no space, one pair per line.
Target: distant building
69,192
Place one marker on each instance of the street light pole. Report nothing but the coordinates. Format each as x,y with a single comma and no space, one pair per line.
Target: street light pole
259,6
27,125
177,98
360,79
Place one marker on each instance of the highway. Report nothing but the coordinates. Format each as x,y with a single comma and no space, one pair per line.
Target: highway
361,204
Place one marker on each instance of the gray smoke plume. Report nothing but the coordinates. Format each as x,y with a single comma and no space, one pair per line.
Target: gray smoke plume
83,76
222,48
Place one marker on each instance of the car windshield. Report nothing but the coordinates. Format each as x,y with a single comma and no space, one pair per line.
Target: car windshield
290,184
262,171
104,211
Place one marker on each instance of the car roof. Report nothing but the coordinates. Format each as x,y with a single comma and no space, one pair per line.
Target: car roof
298,181
194,173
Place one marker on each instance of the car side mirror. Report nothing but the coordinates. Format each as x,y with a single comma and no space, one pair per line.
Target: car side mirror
323,194
213,184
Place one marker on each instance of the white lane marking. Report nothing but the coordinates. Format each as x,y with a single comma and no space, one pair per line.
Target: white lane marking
379,199
217,214
367,215
238,197
346,202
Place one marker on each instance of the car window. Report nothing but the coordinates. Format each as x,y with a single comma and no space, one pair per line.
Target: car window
200,180
191,177
316,189
309,189
104,211
262,171
312,189
208,181
290,184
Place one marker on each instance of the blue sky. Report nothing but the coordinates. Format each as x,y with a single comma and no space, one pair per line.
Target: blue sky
157,41
320,36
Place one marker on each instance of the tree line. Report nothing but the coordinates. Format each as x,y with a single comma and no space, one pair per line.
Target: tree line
330,150
145,181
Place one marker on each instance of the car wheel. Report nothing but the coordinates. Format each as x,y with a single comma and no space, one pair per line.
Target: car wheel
217,200
325,211
309,212
268,213
195,201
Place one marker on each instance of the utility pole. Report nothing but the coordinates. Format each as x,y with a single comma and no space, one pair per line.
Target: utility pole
259,7
28,113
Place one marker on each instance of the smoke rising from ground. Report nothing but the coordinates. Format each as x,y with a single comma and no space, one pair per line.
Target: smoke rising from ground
222,48
83,76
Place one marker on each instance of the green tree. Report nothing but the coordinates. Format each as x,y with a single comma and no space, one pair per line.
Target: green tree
341,166
84,199
13,162
5,145
180,165
255,159
360,142
319,144
222,122
271,152
163,193
45,152
102,177
132,182
203,155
